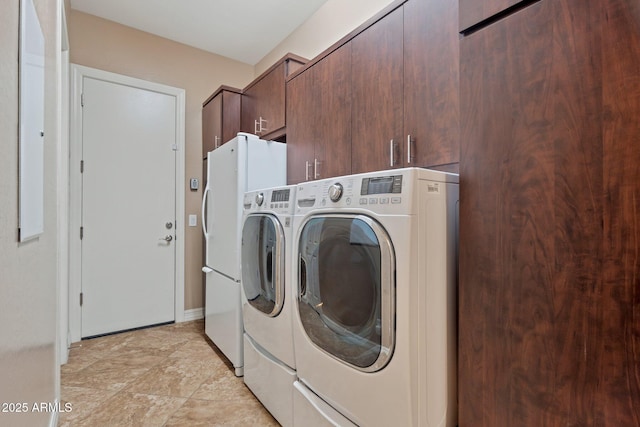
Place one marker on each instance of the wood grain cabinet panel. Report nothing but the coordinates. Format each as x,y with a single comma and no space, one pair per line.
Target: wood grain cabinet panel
619,305
211,124
302,132
220,118
377,84
549,323
319,124
431,72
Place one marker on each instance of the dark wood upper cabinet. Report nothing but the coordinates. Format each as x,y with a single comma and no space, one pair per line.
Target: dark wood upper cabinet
472,12
431,71
263,102
301,128
377,85
319,119
220,118
396,90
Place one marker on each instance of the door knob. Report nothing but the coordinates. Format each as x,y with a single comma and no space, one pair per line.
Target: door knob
167,238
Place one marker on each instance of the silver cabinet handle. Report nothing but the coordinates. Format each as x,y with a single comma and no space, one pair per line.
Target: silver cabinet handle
258,126
391,153
216,141
408,149
167,238
306,170
315,169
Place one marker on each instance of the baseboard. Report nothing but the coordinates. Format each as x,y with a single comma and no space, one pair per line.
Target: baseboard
193,314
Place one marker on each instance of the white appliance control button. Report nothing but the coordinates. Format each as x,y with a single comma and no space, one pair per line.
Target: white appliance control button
373,201
396,200
384,200
335,192
363,200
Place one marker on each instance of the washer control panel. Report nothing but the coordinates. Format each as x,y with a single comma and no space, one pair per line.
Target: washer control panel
390,192
380,193
279,200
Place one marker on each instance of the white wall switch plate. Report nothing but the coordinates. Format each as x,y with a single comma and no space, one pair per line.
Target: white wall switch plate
193,220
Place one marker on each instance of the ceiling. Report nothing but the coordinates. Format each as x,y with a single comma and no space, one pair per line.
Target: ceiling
244,30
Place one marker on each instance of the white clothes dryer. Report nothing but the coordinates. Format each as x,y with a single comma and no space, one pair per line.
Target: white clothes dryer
375,307
269,363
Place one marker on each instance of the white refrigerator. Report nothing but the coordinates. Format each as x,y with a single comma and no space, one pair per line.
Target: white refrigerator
243,164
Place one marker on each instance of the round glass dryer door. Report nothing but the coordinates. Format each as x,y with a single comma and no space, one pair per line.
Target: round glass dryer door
346,289
263,263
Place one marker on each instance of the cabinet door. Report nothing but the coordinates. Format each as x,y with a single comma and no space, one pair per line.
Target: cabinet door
211,124
531,299
473,12
333,115
431,64
319,119
301,127
265,100
377,95
230,115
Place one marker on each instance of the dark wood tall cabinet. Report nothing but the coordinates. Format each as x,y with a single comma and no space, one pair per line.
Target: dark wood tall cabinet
620,308
549,293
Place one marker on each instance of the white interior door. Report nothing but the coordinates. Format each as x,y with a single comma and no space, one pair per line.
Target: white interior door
128,207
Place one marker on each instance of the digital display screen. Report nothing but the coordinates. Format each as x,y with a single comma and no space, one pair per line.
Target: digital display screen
382,185
280,195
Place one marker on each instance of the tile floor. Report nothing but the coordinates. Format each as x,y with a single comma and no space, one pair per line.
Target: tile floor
168,375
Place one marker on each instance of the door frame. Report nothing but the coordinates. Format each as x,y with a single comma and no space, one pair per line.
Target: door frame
78,73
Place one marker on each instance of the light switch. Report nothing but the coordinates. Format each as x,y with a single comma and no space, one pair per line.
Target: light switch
193,220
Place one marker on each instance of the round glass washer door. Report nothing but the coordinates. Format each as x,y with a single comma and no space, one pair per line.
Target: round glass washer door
346,289
263,263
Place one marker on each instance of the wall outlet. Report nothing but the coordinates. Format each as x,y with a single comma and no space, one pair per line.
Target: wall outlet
193,220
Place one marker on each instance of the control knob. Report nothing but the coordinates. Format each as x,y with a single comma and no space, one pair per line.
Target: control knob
335,192
259,199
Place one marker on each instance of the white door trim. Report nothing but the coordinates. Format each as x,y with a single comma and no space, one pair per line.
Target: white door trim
78,72
63,191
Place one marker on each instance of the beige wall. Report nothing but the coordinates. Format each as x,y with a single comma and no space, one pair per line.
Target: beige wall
105,45
334,20
28,271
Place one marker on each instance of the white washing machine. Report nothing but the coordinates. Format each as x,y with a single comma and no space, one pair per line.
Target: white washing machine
269,363
375,308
